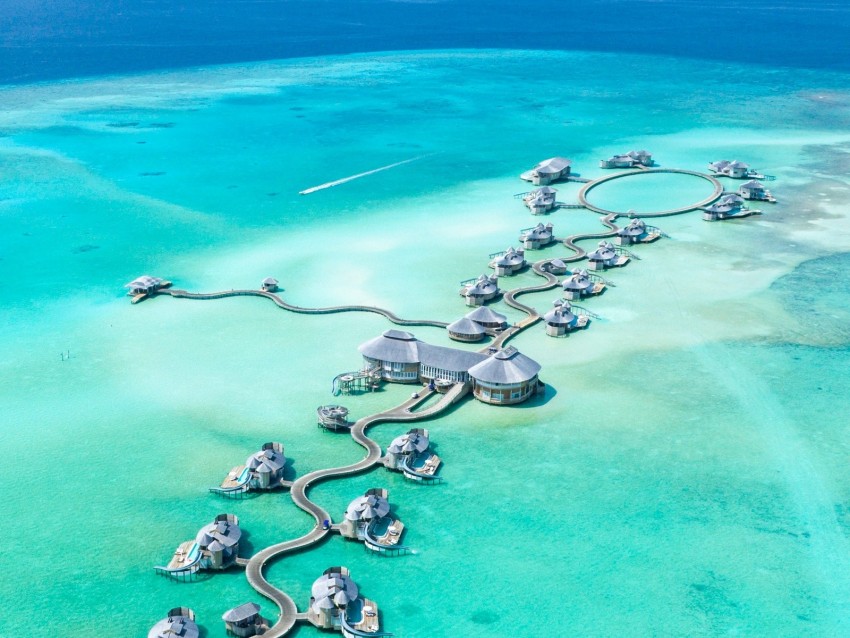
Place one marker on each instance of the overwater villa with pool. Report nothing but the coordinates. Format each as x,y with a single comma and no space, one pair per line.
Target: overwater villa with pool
537,236
755,190
215,547
335,603
541,200
411,455
637,232
734,169
728,206
561,320
628,160
180,623
479,291
548,171
580,284
262,471
607,255
144,286
368,519
508,262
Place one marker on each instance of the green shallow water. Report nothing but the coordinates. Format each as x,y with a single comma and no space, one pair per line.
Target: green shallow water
651,192
683,475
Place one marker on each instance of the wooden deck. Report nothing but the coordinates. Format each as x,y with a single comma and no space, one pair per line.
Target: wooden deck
232,479
181,555
369,623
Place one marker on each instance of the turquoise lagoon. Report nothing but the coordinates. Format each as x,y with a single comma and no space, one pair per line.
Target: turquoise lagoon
685,473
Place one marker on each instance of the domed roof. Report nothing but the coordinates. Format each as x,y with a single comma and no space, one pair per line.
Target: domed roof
561,314
505,366
175,626
552,165
603,252
578,280
512,257
538,232
328,587
466,326
413,441
224,532
392,345
484,285
268,458
241,613
483,314
366,508
634,228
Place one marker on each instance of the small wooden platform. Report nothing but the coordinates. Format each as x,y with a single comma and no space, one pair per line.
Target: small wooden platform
181,555
392,535
232,479
369,622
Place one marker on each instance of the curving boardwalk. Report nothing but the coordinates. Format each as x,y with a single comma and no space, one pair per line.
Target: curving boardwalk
718,191
255,566
534,316
280,303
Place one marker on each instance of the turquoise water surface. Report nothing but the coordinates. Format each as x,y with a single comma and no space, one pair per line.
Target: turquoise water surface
685,472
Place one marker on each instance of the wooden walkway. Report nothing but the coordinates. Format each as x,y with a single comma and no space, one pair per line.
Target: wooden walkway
280,303
255,566
718,191
551,282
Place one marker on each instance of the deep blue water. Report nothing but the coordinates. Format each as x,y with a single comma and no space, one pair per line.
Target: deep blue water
41,39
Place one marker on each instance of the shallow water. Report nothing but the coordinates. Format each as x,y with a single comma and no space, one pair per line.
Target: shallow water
683,475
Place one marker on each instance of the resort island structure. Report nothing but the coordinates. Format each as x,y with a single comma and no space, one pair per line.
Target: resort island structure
497,374
262,471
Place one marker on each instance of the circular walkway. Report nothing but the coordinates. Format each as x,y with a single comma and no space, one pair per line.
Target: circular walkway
718,191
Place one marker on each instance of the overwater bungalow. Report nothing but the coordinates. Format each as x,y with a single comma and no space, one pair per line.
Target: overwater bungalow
411,454
606,256
548,171
580,284
505,377
537,237
628,160
755,190
145,286
729,205
270,284
467,330
245,620
367,518
180,623
508,262
216,546
637,232
541,200
333,417
488,318
561,320
262,471
555,266
734,169
335,603
479,291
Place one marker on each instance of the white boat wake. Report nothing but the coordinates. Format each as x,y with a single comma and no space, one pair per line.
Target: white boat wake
337,182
